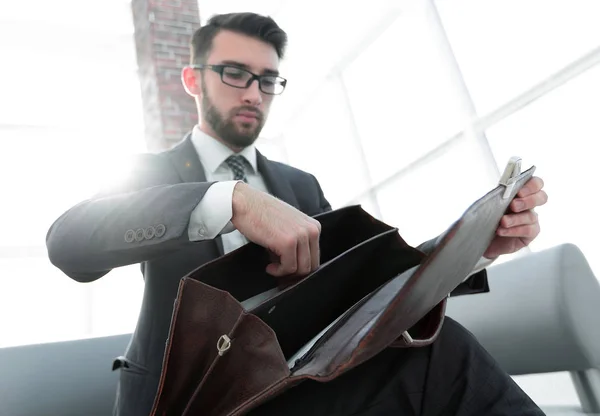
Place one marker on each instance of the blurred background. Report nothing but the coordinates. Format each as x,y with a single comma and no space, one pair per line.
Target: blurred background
410,108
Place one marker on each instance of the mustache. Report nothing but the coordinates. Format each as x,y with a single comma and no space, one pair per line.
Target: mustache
257,112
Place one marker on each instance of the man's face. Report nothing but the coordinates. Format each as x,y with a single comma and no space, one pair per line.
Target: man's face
236,115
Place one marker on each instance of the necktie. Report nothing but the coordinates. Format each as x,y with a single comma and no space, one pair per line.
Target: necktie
237,165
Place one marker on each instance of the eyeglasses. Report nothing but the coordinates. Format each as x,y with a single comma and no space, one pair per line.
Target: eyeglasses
240,78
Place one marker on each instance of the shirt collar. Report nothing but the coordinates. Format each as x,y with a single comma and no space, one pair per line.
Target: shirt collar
213,153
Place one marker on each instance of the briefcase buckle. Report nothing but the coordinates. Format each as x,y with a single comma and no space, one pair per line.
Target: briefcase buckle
509,177
407,338
223,345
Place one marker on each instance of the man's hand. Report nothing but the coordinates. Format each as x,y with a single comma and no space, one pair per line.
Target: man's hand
279,227
520,226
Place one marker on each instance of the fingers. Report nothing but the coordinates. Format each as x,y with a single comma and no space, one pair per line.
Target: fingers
533,185
284,230
523,222
287,250
315,251
522,218
529,202
304,257
308,255
530,231
299,253
530,194
522,225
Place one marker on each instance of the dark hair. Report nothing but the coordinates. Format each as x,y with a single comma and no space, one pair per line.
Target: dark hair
251,24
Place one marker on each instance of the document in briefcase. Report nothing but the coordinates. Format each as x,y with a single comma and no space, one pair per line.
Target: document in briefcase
237,338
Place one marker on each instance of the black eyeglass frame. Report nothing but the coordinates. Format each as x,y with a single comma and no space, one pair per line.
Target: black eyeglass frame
219,69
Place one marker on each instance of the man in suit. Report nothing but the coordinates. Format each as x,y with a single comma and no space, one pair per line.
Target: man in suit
214,192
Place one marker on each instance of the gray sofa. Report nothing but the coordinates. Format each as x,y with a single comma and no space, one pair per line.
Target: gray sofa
541,316
72,378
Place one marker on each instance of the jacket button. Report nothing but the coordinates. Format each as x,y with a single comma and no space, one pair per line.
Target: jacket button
129,236
160,230
149,233
139,235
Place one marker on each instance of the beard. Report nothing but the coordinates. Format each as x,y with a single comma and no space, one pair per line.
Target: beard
238,135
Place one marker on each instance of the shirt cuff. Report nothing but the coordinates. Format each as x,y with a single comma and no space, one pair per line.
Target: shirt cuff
483,263
212,216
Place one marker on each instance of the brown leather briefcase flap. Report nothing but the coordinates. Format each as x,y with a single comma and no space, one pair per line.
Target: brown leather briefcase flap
239,336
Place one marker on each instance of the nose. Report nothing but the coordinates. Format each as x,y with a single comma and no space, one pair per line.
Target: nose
252,94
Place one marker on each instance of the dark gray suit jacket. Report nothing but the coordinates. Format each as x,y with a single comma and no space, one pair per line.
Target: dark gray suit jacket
145,221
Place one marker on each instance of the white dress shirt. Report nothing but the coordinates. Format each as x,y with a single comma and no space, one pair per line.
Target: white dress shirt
212,216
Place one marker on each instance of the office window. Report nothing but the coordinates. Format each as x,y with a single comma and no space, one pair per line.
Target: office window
559,133
505,47
114,301
322,141
272,149
39,304
428,198
403,96
70,114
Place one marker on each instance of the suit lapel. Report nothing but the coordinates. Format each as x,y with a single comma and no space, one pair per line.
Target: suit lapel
277,184
185,159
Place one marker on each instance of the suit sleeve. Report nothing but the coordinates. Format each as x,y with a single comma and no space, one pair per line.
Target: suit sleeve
324,205
146,217
475,283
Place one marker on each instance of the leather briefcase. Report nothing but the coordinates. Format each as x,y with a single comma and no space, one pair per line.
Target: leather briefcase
239,337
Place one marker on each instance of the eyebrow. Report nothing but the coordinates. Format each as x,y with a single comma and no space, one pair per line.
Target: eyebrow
265,71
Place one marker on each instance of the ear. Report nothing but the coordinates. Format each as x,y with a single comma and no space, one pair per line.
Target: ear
191,81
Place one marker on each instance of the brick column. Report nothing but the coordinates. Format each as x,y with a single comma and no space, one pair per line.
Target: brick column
163,29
